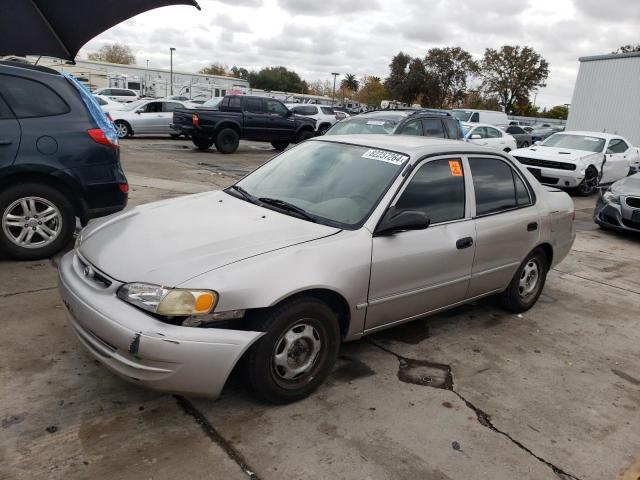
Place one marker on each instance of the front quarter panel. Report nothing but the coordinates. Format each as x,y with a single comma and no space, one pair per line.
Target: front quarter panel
340,263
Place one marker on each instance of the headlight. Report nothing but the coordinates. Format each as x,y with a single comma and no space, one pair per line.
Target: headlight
168,301
611,197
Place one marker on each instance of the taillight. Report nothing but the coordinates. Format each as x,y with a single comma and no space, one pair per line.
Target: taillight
195,119
98,136
124,187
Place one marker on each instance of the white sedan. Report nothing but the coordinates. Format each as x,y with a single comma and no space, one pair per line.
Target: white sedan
581,160
489,136
146,117
107,104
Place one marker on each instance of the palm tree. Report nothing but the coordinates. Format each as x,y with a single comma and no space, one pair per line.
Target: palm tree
350,82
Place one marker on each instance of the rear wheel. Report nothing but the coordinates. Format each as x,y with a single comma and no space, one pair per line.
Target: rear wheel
203,143
123,129
297,352
527,284
227,140
323,129
279,145
304,135
524,144
589,183
36,221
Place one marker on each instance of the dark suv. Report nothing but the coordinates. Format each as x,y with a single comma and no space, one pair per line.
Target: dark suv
59,160
425,122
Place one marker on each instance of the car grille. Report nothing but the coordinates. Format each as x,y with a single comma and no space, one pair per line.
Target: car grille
94,276
633,202
546,163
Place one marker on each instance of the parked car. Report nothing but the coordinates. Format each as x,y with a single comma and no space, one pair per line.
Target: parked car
146,117
580,160
124,95
336,238
618,207
59,160
224,122
322,114
423,122
489,136
340,115
107,104
540,134
523,139
490,117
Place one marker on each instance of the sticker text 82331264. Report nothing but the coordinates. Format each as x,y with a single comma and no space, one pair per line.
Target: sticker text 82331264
384,156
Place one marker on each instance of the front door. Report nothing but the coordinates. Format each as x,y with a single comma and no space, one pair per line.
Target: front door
617,162
281,121
9,135
416,272
149,120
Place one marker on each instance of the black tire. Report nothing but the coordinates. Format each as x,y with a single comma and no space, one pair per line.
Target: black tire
64,224
123,129
589,183
507,150
202,143
279,145
227,140
323,129
524,145
264,377
304,135
516,298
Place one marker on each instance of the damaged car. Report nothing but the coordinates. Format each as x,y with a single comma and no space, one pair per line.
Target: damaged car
618,207
334,239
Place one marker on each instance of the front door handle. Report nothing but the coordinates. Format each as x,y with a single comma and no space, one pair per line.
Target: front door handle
4,141
532,227
463,243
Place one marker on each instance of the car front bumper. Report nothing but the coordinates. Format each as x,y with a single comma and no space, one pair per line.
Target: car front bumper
556,177
617,216
140,348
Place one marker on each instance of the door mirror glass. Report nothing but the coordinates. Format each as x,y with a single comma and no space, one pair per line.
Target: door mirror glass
476,136
397,221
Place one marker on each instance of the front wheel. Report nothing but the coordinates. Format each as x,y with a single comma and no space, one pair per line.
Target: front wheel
589,183
304,135
524,145
123,129
527,284
279,145
297,352
36,220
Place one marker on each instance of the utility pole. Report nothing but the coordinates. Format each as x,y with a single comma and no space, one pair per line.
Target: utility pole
333,96
171,50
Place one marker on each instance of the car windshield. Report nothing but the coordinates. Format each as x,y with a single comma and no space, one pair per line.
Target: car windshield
212,102
366,125
576,142
127,107
336,183
462,115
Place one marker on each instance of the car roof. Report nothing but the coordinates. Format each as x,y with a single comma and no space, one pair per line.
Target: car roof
414,146
28,66
473,124
590,134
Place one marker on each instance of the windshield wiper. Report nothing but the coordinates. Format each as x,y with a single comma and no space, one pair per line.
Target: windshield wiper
289,207
245,194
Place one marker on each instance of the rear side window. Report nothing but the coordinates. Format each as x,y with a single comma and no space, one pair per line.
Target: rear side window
171,106
253,105
414,127
516,130
5,111
235,103
29,98
305,110
451,128
437,190
497,186
327,110
493,133
433,127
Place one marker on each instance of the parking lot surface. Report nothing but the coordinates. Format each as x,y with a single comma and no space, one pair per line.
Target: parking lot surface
470,393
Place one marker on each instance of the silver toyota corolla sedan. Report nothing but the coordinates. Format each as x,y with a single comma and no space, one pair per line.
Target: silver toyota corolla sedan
331,240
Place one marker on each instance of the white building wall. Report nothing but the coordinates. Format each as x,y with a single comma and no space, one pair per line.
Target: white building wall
606,97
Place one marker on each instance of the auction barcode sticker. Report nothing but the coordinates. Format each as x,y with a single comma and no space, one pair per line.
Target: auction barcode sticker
384,156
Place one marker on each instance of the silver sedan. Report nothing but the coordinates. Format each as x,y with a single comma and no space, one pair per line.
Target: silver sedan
331,240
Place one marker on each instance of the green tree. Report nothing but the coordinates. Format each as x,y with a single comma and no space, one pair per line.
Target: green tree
372,91
448,70
628,49
512,73
559,111
350,82
115,53
396,81
214,69
240,72
278,78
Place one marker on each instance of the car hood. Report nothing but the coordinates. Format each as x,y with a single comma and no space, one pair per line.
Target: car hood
171,241
628,186
552,153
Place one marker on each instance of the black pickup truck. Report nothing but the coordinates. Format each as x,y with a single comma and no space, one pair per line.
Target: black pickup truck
242,116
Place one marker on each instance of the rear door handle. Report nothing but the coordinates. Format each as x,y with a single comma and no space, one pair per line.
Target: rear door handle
4,141
532,227
463,243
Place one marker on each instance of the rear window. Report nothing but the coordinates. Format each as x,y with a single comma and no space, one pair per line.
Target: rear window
29,98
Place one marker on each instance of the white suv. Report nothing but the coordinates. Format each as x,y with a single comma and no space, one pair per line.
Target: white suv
125,95
322,114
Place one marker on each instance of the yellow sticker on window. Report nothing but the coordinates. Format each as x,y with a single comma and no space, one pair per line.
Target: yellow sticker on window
456,168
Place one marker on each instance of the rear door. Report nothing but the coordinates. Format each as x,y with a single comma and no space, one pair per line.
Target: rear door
167,116
9,134
256,121
507,223
495,138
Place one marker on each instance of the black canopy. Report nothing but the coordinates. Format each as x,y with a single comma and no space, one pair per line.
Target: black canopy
59,28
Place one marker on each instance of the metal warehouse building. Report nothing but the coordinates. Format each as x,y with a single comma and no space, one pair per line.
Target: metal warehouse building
607,96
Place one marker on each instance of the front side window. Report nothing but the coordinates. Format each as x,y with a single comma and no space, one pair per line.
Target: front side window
515,130
153,107
275,108
497,186
617,145
437,190
481,131
433,128
29,98
101,101
340,184
475,117
235,103
414,127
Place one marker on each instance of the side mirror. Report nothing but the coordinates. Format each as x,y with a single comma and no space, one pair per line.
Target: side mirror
138,112
476,136
397,221
538,142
